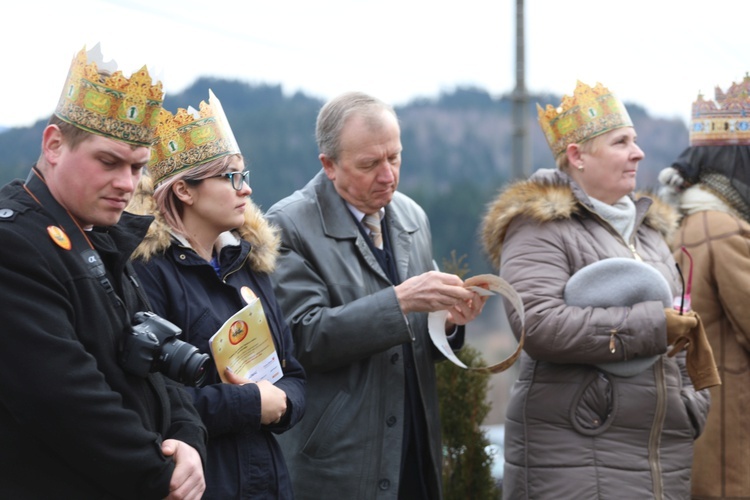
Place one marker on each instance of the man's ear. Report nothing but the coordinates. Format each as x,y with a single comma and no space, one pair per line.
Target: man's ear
183,192
328,166
52,144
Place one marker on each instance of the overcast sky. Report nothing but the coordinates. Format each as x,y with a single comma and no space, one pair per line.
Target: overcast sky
656,53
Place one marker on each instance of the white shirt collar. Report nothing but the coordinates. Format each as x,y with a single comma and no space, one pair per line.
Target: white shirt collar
358,214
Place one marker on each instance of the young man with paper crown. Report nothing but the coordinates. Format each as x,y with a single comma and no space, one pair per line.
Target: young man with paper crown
599,410
710,184
77,420
207,256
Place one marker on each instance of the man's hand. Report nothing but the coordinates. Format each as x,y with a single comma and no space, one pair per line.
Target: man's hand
466,311
187,481
435,291
272,399
432,291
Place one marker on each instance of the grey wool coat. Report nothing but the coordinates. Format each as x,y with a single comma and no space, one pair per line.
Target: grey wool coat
349,332
574,431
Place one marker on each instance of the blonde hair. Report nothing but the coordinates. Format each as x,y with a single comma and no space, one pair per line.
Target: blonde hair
167,202
589,146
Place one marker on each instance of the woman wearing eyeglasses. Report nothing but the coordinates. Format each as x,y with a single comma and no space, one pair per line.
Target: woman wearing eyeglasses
208,253
599,409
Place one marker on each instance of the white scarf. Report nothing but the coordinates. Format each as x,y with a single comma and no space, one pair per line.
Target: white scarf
620,215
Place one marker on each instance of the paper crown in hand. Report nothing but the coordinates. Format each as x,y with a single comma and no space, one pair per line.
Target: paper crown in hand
725,121
190,138
590,112
99,99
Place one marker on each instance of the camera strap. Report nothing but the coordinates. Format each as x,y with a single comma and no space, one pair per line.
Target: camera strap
38,190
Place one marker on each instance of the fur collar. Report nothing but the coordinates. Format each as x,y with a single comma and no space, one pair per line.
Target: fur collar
697,199
257,230
551,195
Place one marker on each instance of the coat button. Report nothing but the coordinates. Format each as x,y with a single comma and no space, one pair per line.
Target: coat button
394,358
384,484
183,256
391,421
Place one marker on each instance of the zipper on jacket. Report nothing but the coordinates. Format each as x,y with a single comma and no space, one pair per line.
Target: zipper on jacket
279,348
654,440
635,252
613,333
237,268
636,226
616,234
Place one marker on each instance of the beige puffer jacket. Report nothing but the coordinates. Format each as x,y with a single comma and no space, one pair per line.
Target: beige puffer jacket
572,430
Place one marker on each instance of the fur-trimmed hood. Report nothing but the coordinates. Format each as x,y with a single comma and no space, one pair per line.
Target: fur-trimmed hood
262,236
548,195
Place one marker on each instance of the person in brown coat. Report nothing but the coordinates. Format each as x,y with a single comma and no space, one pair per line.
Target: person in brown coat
710,183
599,410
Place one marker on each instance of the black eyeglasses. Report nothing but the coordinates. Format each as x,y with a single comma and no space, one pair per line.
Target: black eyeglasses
685,302
238,179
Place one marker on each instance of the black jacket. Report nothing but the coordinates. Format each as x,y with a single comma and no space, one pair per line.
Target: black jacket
244,459
73,423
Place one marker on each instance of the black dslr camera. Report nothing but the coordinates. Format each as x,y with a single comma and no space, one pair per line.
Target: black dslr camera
152,346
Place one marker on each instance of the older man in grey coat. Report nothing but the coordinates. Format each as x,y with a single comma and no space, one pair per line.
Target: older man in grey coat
357,300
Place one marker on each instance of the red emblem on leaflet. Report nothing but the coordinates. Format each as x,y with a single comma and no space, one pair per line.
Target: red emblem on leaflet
59,237
237,332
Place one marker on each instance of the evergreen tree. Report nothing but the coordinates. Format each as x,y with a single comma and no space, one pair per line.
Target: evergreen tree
463,407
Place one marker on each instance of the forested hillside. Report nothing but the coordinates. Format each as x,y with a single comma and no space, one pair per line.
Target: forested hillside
457,150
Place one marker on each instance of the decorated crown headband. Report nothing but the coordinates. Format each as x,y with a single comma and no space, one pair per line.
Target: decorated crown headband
590,112
190,138
99,99
725,121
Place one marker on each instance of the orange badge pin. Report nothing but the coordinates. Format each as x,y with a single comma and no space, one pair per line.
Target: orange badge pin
59,237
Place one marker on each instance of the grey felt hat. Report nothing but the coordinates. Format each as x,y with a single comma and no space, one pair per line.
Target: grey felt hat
618,282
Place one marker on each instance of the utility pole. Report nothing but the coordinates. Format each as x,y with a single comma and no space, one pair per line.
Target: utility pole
521,143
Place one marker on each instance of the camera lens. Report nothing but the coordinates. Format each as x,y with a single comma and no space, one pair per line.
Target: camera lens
183,362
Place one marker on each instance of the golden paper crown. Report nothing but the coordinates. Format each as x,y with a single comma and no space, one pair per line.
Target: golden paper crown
590,112
112,106
723,122
190,138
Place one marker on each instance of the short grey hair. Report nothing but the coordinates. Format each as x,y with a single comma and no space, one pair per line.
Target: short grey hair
334,114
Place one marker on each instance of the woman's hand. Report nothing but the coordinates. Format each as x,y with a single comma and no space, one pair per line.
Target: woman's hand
679,327
273,400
